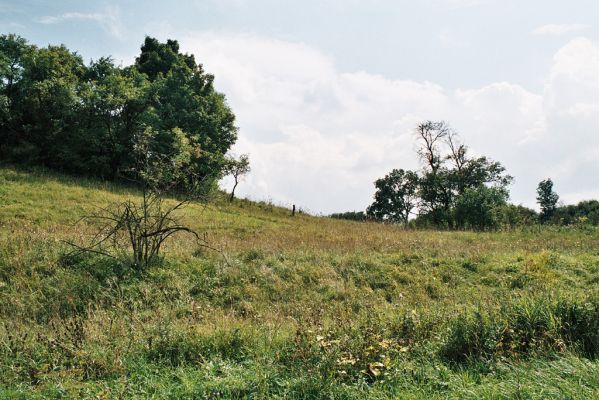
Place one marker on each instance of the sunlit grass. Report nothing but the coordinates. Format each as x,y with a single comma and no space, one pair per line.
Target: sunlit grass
303,306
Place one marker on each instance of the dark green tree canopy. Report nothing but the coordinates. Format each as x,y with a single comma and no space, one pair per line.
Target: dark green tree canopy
586,211
61,113
395,197
547,199
159,58
479,208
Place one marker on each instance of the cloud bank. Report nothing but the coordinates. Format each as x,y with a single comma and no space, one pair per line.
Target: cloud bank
318,137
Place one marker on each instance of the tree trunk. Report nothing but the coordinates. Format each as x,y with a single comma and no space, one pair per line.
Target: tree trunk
232,196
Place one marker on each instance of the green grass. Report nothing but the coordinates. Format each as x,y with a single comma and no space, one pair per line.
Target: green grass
298,307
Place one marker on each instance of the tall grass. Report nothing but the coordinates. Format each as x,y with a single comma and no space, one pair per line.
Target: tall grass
302,307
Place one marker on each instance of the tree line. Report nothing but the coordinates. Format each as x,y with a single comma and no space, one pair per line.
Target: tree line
456,190
87,119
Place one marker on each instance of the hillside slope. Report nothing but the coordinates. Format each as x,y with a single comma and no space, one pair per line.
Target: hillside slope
292,307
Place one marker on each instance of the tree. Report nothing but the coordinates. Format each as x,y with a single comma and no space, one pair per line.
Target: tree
431,134
182,95
449,171
513,215
237,168
350,215
159,58
586,211
12,51
452,190
61,113
395,197
112,109
547,200
481,171
479,208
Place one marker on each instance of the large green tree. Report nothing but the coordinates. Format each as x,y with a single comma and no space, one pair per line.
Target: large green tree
12,51
59,112
113,104
183,96
395,197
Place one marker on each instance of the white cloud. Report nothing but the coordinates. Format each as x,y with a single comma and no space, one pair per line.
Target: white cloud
318,137
559,29
109,20
575,197
574,75
571,103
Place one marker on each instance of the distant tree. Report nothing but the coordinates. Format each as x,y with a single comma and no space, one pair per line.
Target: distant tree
585,212
237,168
512,215
547,200
431,135
449,171
350,215
479,208
481,171
395,197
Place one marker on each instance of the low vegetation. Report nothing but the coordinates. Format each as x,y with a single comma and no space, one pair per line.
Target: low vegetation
289,307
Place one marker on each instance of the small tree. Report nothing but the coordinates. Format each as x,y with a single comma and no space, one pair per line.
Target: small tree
395,197
237,168
140,228
547,200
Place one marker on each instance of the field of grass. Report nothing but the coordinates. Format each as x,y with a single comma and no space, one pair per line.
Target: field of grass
293,307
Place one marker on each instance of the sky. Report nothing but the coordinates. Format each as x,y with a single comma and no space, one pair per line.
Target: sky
327,93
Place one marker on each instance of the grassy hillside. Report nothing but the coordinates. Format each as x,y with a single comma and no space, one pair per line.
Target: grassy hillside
295,307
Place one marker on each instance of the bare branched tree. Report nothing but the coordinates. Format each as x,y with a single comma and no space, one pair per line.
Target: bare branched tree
140,228
457,151
431,135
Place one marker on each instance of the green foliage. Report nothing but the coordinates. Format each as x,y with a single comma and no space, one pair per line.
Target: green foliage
547,200
395,196
585,212
453,190
350,215
136,232
512,215
479,208
58,112
237,168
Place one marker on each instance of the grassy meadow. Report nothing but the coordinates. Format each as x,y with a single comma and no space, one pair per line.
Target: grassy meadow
292,307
